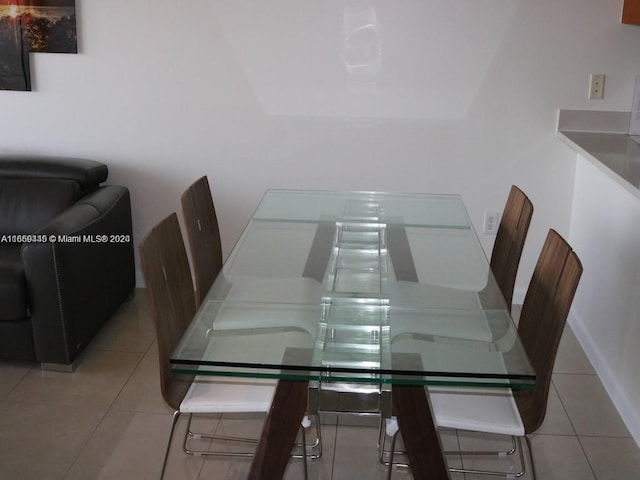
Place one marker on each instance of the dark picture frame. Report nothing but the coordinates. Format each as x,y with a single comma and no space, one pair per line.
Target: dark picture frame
33,26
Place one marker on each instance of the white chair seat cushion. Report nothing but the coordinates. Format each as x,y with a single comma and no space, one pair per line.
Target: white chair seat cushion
491,410
209,394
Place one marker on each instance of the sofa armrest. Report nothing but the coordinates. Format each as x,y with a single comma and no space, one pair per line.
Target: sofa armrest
78,278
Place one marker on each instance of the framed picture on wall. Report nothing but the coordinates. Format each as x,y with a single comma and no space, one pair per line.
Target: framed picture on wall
33,26
14,68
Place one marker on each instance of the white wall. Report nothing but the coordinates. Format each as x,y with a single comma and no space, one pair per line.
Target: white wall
456,96
605,228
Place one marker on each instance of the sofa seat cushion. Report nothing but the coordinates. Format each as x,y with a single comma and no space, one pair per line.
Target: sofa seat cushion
13,284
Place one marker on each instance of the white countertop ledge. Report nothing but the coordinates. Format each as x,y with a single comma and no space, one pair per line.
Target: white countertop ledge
601,137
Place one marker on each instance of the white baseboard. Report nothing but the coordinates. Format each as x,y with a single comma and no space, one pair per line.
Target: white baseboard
626,408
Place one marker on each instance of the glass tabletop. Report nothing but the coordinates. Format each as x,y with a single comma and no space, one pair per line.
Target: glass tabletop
355,287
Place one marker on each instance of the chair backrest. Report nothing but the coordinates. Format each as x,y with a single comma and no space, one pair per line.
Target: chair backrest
542,321
204,235
509,243
170,288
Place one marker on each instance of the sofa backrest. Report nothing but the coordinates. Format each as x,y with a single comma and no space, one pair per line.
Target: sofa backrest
27,205
34,190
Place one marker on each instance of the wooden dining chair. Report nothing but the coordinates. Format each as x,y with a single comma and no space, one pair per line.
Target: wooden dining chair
203,234
510,238
519,412
170,288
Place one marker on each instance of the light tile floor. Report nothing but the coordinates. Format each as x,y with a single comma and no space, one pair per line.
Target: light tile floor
108,421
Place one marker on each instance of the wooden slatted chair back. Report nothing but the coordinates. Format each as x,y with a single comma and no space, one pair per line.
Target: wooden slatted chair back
509,243
542,321
170,289
201,224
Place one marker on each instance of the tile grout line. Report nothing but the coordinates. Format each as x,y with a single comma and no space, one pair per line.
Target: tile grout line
584,452
104,415
110,406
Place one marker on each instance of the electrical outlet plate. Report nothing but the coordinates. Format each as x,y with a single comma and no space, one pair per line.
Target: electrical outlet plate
491,223
596,86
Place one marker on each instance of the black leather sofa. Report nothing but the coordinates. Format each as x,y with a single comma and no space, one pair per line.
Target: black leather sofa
66,256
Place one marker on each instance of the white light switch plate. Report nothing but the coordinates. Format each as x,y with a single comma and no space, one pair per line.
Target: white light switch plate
634,127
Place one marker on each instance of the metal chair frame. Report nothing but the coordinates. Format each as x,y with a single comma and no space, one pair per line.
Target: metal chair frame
170,287
542,321
516,446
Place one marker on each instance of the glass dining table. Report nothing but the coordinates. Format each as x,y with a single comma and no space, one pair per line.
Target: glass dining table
365,295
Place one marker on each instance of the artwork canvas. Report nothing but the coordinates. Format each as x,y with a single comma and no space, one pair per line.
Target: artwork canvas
14,69
33,26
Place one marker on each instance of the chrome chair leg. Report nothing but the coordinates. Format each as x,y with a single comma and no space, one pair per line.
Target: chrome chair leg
533,468
176,415
305,424
390,428
388,425
496,473
188,451
391,452
317,444
197,436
